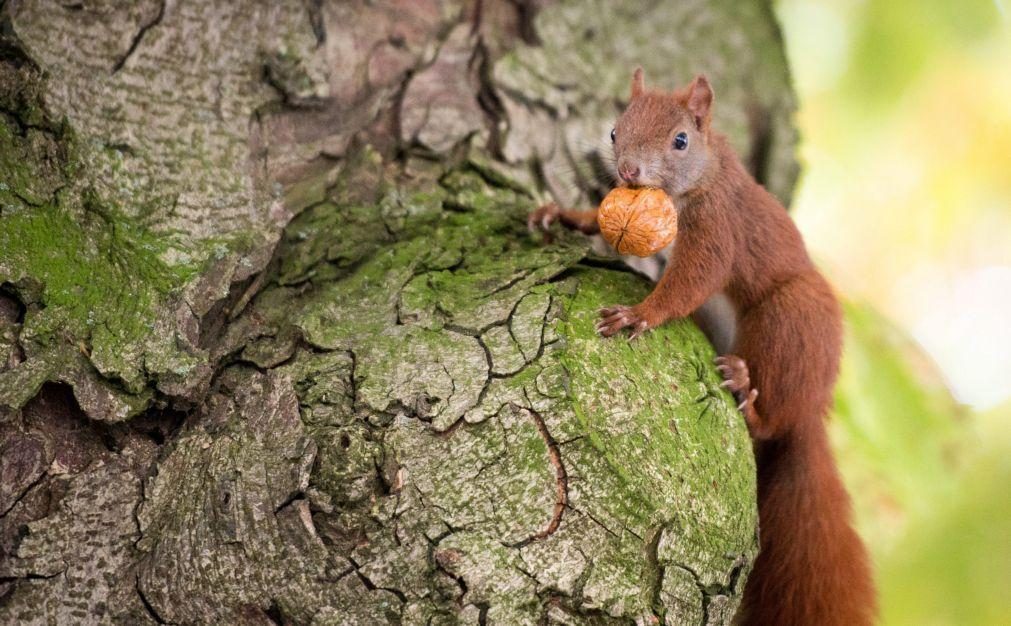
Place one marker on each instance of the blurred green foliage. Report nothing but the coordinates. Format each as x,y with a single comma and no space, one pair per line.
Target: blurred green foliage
895,41
929,481
897,426
952,566
905,111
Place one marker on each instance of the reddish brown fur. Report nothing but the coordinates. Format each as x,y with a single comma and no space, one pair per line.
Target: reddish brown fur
736,237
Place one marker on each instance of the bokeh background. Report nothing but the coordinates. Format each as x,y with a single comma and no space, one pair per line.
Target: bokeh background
905,201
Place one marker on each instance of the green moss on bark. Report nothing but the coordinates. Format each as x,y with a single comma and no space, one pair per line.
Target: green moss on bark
441,433
406,417
95,282
476,447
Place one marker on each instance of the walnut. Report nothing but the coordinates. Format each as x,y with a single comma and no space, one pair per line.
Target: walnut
638,221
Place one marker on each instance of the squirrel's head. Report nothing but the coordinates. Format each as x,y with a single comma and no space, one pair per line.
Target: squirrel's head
662,139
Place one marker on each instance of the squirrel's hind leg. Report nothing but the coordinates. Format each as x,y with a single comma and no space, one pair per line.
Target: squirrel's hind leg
737,380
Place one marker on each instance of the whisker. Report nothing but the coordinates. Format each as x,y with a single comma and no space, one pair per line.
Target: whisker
585,147
605,176
594,187
596,170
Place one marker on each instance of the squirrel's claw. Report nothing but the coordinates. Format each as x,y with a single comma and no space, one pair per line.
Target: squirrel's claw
640,328
614,318
749,400
542,218
611,311
737,379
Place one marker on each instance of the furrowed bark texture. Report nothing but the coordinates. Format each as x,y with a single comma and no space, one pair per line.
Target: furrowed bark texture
275,346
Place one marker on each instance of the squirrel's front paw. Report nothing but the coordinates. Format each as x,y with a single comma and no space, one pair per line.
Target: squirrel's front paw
614,318
543,217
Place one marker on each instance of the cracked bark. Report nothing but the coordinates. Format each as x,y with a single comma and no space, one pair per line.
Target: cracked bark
275,346
137,38
561,478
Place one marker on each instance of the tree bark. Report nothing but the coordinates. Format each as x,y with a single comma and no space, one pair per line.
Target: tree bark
275,346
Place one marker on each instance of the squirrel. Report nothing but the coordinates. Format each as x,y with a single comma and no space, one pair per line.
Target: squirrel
736,241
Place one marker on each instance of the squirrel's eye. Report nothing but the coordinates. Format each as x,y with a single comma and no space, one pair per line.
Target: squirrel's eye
681,141
612,135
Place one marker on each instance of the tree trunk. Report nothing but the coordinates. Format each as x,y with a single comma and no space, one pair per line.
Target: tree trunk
276,347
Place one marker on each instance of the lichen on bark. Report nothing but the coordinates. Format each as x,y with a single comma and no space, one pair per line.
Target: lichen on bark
442,433
275,343
455,472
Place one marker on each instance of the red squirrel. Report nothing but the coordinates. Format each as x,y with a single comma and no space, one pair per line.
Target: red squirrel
781,361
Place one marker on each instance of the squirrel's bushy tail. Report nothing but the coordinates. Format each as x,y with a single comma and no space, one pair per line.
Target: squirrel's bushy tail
812,569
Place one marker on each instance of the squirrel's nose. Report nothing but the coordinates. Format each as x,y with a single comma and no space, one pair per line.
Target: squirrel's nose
628,172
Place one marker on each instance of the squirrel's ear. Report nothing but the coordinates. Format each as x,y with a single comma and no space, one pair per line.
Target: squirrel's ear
637,83
700,101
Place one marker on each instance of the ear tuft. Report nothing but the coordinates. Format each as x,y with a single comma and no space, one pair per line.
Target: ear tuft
637,83
700,101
